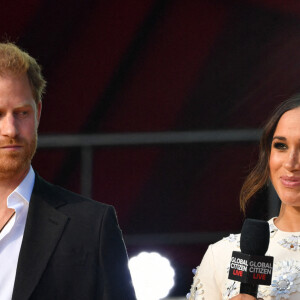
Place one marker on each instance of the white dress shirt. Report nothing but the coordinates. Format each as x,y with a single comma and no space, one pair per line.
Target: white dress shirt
12,234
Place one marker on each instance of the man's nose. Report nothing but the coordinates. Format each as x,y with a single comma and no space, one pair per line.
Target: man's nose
9,126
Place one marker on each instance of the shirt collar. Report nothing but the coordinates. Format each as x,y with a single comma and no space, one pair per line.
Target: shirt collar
23,190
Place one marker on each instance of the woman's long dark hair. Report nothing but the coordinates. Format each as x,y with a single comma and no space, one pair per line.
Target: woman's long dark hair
259,176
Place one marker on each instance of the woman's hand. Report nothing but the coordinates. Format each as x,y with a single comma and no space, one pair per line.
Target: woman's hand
245,297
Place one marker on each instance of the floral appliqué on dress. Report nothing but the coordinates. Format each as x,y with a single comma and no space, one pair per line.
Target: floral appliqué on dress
285,280
196,289
273,230
291,243
233,238
232,289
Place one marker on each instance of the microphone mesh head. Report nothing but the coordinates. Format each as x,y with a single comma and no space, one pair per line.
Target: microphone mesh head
255,237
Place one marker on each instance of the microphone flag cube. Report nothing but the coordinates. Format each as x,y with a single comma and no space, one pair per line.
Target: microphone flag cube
252,269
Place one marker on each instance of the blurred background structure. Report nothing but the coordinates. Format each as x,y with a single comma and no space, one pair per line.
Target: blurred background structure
156,107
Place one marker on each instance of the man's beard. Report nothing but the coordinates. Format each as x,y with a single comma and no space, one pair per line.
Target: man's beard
13,163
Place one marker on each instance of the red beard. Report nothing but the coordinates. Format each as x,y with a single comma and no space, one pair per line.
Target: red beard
14,162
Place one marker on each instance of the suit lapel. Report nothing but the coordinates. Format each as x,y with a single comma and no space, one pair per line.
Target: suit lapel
44,227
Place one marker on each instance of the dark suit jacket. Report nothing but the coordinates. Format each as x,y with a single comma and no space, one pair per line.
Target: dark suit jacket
72,249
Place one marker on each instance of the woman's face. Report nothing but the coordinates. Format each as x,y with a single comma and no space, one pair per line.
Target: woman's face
284,161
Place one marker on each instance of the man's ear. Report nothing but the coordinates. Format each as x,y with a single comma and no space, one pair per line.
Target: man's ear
39,111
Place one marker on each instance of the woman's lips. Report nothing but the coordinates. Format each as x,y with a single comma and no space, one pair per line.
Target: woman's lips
290,182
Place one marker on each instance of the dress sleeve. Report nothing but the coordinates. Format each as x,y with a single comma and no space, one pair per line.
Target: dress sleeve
205,285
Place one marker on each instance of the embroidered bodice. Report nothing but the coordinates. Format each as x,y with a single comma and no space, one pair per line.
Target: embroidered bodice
211,277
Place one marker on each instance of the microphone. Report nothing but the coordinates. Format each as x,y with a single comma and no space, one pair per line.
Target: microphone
250,266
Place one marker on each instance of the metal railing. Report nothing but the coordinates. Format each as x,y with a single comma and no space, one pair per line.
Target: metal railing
87,143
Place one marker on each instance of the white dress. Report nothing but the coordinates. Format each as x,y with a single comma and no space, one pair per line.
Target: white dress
211,277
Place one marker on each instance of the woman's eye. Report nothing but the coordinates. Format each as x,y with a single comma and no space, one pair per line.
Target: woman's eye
280,146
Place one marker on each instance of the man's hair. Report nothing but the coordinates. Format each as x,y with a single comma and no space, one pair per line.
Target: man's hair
15,61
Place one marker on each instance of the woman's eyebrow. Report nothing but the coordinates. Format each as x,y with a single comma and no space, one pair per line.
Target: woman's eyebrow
282,138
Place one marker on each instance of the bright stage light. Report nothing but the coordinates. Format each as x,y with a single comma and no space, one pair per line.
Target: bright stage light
152,276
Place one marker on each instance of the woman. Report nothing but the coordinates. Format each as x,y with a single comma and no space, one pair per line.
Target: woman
279,161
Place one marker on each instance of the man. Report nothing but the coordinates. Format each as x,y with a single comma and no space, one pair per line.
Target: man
54,244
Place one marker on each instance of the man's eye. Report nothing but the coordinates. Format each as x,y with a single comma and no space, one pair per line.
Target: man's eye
280,146
22,113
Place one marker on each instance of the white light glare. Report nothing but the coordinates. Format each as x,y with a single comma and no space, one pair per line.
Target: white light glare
152,276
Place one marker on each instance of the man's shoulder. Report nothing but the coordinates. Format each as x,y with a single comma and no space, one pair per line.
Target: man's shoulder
59,196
